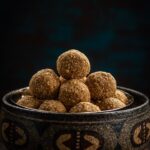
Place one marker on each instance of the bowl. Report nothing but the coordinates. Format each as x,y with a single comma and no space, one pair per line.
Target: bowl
28,129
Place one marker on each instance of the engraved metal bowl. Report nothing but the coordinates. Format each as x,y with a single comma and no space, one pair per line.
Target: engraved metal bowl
28,129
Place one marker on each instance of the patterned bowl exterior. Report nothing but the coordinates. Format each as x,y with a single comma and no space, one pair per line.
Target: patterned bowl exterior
28,129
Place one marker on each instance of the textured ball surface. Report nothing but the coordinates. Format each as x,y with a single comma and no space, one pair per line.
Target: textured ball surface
101,85
29,101
72,92
73,64
26,91
110,103
62,80
121,96
44,84
52,106
84,107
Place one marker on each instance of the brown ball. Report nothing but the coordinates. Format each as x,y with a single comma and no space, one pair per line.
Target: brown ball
72,92
121,96
52,106
29,101
85,107
101,85
73,64
26,91
62,80
110,103
44,84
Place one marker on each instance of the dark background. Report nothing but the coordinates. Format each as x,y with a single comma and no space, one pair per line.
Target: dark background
114,35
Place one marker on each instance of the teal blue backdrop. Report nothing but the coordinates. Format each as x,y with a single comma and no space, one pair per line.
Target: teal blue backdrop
114,35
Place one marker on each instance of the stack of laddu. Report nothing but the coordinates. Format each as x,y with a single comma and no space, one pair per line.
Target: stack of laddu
74,90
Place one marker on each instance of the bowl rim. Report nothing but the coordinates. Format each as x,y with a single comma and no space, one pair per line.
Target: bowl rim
103,114
115,109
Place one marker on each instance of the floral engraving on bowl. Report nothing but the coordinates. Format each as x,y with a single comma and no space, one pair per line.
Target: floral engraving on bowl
140,133
14,134
78,140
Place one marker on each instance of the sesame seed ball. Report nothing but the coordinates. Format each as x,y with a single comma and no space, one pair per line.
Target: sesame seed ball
26,91
110,103
62,80
44,84
84,107
72,92
101,85
52,106
29,101
73,64
121,96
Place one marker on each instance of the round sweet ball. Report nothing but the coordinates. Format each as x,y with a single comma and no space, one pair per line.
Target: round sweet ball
84,107
29,101
73,64
26,91
110,103
52,106
121,96
101,85
72,92
62,80
44,84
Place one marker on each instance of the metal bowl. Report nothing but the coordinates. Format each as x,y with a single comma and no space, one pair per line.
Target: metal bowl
25,129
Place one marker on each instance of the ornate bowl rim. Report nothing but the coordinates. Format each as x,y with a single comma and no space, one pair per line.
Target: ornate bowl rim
104,115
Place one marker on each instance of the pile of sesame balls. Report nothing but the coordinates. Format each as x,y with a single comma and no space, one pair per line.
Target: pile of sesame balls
74,90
